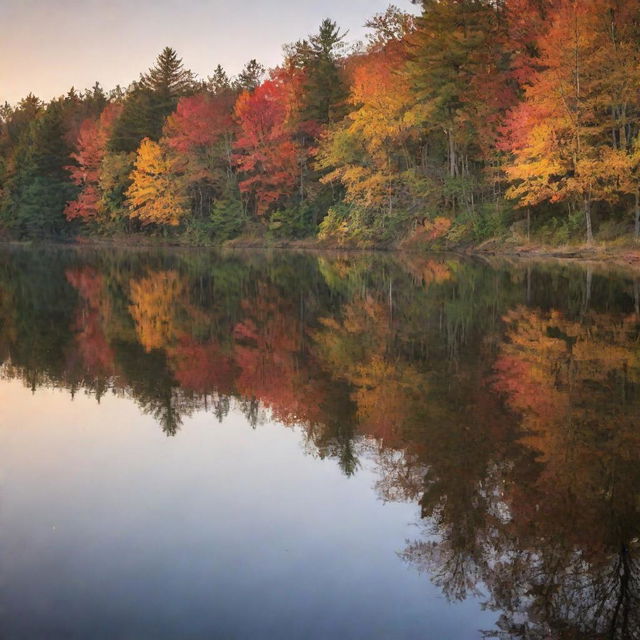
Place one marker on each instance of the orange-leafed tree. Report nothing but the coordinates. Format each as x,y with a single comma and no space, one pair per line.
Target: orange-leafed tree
526,22
570,138
385,389
157,193
372,152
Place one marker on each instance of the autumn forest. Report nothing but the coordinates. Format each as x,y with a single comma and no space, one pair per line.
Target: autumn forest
469,120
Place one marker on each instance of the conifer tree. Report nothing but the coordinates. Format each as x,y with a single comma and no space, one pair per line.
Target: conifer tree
151,100
250,77
168,78
41,184
138,120
219,82
324,90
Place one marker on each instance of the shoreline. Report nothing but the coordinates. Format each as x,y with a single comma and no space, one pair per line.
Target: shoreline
597,253
601,253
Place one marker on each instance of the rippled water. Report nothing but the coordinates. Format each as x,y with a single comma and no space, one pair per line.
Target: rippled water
317,446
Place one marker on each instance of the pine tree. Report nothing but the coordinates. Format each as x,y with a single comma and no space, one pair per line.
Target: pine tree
41,184
22,116
250,77
168,78
219,82
150,101
450,49
325,92
139,119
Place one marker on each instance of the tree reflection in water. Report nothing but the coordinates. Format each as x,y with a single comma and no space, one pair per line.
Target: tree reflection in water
503,399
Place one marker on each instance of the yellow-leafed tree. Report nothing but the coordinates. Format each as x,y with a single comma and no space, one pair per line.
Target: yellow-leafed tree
157,194
369,153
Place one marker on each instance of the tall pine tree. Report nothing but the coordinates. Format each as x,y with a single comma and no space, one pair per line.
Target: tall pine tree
325,92
151,100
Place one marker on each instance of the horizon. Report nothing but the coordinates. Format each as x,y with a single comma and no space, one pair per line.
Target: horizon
92,28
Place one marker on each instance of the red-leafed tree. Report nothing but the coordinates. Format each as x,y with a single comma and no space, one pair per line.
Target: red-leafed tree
268,355
199,122
266,150
527,21
201,133
91,147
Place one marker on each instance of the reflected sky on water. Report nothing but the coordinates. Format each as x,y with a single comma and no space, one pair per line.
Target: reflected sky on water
309,446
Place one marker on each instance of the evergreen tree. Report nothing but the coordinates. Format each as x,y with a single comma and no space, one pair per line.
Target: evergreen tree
250,77
325,92
18,121
150,101
41,186
168,78
95,100
139,119
459,70
219,82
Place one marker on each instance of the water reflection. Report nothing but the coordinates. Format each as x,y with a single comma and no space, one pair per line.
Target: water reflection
503,399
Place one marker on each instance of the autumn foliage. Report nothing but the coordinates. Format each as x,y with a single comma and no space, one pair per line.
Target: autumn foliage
471,111
266,152
156,194
91,149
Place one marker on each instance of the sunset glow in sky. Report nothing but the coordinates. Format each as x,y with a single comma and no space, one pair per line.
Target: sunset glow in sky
53,45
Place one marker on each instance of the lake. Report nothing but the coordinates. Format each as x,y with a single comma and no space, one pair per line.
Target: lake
285,445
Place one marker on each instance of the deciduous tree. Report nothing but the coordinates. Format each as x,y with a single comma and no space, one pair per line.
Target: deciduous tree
266,153
91,148
157,193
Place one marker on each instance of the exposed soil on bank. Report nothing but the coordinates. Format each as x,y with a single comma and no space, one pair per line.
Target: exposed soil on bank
619,253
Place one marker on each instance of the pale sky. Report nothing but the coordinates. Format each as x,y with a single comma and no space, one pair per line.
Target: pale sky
47,46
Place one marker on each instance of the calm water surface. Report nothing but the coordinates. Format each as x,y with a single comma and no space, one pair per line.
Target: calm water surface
301,446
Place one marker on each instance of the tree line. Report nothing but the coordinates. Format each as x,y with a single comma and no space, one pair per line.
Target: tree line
469,119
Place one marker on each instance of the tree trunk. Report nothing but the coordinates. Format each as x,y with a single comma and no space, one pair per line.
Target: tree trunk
452,156
637,215
301,181
587,217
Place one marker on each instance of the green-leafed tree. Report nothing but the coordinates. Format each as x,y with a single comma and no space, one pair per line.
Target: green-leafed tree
459,74
39,186
250,77
150,101
219,82
325,91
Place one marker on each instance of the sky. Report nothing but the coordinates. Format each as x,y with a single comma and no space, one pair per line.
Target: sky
47,46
